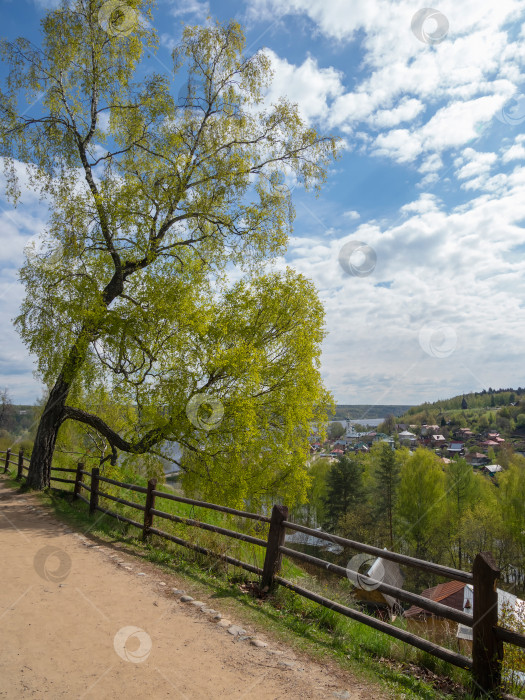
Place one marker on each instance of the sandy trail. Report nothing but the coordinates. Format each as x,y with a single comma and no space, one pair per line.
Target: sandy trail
65,605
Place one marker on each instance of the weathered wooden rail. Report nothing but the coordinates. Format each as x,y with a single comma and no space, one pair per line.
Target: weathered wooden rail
488,637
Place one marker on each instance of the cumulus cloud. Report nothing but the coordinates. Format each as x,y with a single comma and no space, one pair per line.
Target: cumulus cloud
197,9
418,99
308,85
439,268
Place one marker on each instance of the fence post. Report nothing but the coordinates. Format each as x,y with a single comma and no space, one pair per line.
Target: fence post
20,471
487,650
7,458
150,503
93,500
272,561
78,480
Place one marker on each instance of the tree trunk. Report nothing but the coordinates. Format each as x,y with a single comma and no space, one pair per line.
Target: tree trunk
46,435
54,415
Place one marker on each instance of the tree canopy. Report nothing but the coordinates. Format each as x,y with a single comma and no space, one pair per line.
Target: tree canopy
153,286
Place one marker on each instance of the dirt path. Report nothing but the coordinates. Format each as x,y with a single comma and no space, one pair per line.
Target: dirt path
84,621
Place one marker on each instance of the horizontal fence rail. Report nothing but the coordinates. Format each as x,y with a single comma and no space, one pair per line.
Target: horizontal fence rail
212,506
423,644
436,608
208,552
420,564
510,637
488,636
211,528
123,485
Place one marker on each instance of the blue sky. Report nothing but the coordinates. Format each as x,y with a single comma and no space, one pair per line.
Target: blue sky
416,243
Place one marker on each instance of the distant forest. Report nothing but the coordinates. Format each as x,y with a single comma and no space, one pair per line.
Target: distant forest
19,418
358,412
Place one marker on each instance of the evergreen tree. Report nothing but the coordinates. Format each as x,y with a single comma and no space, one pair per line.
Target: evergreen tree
464,404
344,489
386,478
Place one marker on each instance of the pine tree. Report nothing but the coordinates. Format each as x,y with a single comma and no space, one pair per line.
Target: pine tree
386,479
344,489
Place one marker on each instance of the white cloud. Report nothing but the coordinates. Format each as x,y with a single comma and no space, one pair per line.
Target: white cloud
515,152
455,124
401,145
308,85
17,227
441,94
406,110
425,204
432,163
458,269
196,8
474,163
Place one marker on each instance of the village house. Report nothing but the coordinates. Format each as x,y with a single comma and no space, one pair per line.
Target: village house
337,453
477,459
465,433
344,442
389,440
361,447
382,437
421,621
492,469
506,601
449,593
438,441
456,449
429,429
460,596
407,438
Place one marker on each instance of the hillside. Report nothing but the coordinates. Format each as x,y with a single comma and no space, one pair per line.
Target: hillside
488,398
502,410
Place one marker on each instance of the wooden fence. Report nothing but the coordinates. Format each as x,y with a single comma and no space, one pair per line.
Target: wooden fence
488,636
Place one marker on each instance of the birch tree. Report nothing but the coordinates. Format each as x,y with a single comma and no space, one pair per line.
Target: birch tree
159,197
